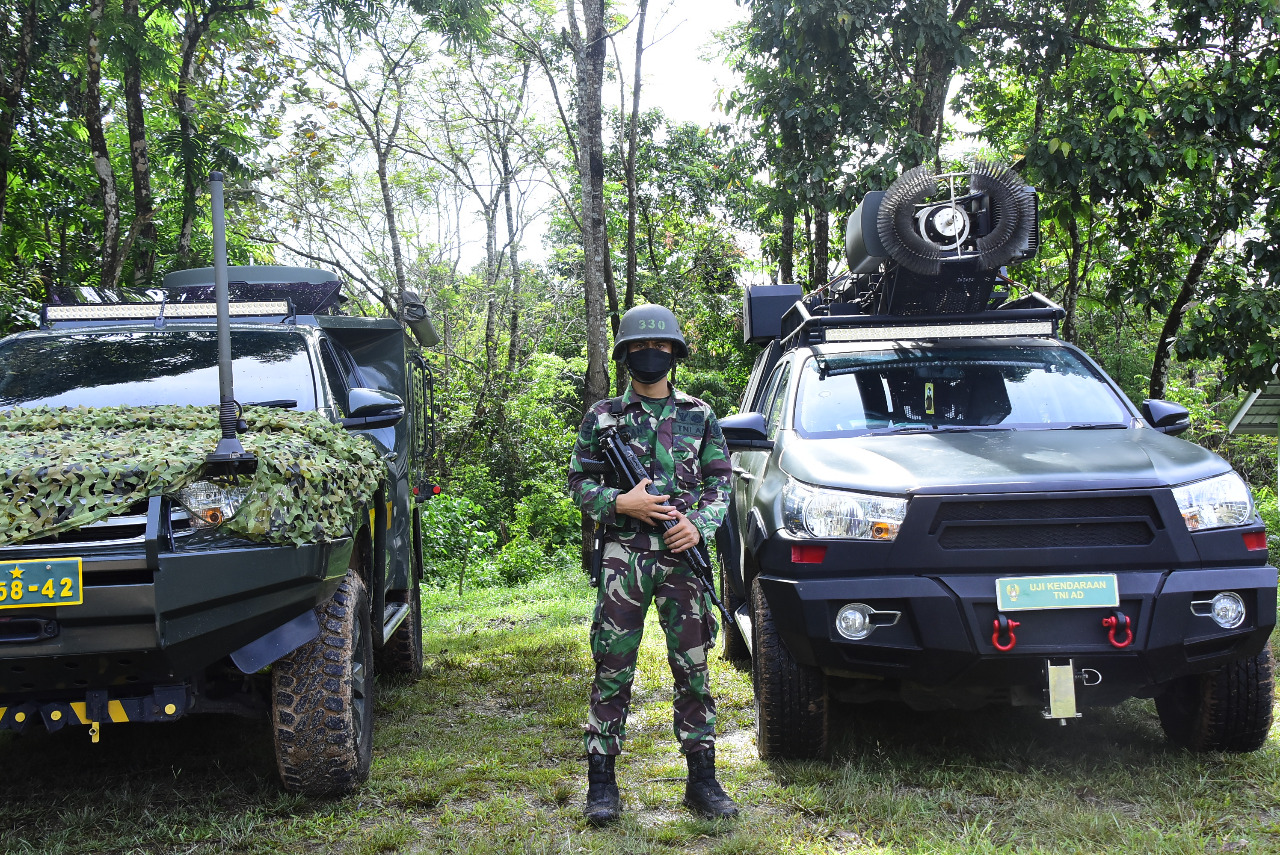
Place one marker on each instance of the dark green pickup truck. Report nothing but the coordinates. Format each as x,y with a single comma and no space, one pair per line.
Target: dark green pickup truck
938,503
139,587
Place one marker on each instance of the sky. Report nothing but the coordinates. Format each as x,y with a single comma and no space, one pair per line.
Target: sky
678,34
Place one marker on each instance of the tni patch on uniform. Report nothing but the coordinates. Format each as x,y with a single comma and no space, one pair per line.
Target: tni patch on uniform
687,423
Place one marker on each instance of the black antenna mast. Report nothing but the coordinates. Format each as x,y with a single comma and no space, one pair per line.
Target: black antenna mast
229,458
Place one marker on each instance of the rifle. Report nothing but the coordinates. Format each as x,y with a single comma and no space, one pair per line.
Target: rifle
626,467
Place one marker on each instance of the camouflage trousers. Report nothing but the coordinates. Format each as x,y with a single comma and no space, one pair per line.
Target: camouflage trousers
634,574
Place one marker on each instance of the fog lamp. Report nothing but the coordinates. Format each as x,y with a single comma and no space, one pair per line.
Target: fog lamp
853,621
1227,610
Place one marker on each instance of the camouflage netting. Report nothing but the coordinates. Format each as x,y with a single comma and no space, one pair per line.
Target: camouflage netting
63,469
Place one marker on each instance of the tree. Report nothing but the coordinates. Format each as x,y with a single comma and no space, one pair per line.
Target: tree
1162,137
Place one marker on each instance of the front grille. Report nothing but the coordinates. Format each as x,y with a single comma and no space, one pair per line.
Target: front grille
1044,536
129,527
1046,523
1048,509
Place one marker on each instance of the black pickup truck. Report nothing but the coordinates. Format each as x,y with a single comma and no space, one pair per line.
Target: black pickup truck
166,608
938,502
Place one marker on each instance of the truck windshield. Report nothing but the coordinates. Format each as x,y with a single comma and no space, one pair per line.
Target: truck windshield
953,387
153,367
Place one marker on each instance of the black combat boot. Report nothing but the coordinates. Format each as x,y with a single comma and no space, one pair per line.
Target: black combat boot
703,793
603,802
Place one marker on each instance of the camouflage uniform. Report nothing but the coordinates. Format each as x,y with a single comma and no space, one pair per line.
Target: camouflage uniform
679,443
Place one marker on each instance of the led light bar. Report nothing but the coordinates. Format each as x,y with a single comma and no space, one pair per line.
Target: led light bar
961,330
148,311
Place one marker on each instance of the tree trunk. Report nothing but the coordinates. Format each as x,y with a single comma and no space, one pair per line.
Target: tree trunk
139,159
193,30
513,333
1072,292
101,155
786,261
808,240
13,98
388,203
821,249
933,71
633,132
491,245
490,342
194,26
589,57
393,232
1173,322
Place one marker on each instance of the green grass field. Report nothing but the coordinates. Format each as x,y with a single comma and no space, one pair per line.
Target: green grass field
483,756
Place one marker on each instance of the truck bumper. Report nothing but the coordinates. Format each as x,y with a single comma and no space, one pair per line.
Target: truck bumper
944,636
154,617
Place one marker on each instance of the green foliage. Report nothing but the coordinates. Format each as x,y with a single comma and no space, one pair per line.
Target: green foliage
453,536
63,469
1150,132
52,207
1264,499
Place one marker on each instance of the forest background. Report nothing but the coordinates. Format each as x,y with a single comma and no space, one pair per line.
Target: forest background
383,140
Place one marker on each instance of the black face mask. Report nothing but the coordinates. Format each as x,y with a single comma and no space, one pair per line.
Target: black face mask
649,365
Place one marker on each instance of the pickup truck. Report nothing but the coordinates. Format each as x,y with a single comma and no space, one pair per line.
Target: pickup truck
142,588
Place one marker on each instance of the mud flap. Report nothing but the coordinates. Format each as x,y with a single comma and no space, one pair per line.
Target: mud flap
282,640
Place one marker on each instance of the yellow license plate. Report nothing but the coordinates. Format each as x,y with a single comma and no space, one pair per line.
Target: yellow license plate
41,582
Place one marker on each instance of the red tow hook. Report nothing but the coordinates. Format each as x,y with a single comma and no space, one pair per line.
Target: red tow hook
1118,621
1002,625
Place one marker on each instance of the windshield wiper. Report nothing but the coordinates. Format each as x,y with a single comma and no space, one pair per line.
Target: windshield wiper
939,428
1093,426
277,403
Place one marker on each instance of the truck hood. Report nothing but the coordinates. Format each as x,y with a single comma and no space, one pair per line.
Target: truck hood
999,461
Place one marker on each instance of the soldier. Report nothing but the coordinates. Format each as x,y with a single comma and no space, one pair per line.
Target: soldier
677,439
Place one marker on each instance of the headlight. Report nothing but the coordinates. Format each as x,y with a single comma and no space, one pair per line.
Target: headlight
1215,503
211,504
813,512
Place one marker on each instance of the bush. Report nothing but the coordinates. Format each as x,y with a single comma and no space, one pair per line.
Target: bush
1264,498
523,560
454,540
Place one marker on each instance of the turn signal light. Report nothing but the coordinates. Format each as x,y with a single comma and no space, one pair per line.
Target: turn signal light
808,553
1255,540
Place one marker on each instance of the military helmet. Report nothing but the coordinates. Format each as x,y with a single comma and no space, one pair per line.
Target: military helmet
646,322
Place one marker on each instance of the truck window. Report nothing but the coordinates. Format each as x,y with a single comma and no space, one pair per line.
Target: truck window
777,399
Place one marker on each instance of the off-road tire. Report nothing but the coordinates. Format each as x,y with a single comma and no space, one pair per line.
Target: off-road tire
1225,710
735,646
792,704
322,699
401,656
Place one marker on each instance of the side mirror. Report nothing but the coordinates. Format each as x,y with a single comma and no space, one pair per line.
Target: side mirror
745,432
372,408
1166,416
419,323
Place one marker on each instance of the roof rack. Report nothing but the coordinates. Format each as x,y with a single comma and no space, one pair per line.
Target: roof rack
98,314
808,324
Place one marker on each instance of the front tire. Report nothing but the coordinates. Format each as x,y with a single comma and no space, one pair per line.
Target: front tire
792,704
322,699
1224,710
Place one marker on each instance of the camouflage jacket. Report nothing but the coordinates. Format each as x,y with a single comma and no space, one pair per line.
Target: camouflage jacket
679,443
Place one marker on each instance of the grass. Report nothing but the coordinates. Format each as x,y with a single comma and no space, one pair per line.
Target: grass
483,756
